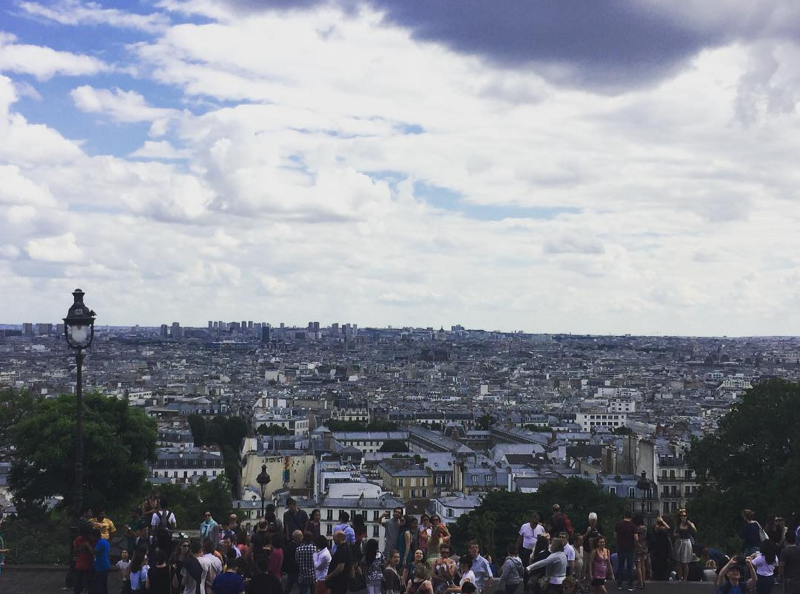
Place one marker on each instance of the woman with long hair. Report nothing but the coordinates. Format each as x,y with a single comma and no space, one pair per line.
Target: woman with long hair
276,556
751,533
540,551
322,561
391,575
138,571
641,551
372,566
360,529
313,524
425,529
682,552
419,582
440,535
555,567
765,562
600,568
407,543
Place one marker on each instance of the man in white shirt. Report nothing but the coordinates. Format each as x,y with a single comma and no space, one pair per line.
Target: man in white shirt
209,561
569,552
194,572
526,541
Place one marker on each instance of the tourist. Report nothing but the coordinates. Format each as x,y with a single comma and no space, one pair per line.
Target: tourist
137,571
407,544
512,572
392,527
419,583
261,543
444,570
134,528
304,557
685,530
789,567
480,567
314,523
272,518
526,541
159,576
555,566
765,562
710,571
593,531
729,577
193,574
571,585
344,526
662,549
360,530
178,557
600,568
751,533
541,551
102,563
103,524
231,528
439,537
322,561
569,552
276,556
577,544
290,568
122,565
83,550
391,577
341,563
161,526
625,537
372,566
294,519
209,528
229,581
425,529
641,551
211,560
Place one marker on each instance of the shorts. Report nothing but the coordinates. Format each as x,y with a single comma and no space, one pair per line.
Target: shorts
598,582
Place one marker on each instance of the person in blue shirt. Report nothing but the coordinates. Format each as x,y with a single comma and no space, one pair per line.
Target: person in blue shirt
102,563
229,581
480,567
344,526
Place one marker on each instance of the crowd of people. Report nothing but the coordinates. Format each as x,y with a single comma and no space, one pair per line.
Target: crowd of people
279,555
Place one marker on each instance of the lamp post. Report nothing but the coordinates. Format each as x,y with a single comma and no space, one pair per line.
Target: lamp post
263,480
79,332
643,484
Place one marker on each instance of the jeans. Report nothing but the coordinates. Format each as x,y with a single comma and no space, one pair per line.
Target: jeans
626,558
291,580
374,588
100,583
82,578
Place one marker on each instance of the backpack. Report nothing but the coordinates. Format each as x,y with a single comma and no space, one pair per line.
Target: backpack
567,524
164,532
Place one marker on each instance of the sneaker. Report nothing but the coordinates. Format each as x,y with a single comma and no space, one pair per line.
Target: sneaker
619,586
630,587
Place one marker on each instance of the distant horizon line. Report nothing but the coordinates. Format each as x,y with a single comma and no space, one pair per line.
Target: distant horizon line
6,326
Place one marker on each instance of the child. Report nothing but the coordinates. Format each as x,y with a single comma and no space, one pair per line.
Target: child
123,565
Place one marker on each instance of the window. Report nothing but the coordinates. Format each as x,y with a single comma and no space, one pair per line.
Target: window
328,530
413,493
449,512
688,491
612,490
376,516
672,474
474,479
424,493
329,515
666,508
376,531
631,492
438,479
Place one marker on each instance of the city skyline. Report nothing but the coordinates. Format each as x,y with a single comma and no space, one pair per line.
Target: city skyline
625,169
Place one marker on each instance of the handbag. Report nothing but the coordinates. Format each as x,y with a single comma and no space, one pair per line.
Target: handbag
762,534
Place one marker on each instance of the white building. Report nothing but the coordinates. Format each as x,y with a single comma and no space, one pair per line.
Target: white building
452,507
593,419
185,464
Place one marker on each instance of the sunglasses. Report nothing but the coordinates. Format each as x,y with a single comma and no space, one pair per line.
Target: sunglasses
185,545
435,520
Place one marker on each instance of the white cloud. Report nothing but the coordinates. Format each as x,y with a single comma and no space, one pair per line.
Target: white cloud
54,249
159,149
17,189
123,106
44,62
75,12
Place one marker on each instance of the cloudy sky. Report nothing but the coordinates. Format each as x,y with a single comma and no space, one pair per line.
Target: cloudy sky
603,167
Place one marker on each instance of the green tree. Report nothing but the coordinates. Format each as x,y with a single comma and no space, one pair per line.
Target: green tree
14,405
484,421
272,430
188,503
495,522
119,441
751,461
393,445
198,426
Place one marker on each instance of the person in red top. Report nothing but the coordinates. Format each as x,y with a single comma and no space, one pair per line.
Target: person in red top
626,537
84,560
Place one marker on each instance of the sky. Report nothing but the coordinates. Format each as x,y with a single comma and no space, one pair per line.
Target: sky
590,167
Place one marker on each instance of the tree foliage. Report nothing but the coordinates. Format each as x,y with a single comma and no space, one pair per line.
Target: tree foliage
188,503
118,443
14,405
273,430
495,522
752,461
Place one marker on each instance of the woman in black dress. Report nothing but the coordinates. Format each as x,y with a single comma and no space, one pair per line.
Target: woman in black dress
662,549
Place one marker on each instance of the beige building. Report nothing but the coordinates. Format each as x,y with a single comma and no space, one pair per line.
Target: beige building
406,481
292,471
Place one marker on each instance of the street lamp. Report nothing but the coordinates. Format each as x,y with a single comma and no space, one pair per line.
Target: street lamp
643,484
263,480
79,332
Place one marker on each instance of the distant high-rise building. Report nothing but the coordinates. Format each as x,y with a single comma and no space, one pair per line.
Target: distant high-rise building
175,331
265,334
164,331
316,327
249,324
210,325
335,328
222,325
44,329
244,325
59,329
27,329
